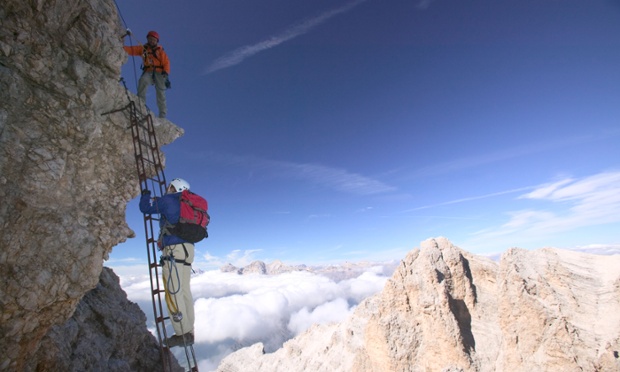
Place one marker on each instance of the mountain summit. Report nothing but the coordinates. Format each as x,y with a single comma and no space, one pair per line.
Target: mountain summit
445,309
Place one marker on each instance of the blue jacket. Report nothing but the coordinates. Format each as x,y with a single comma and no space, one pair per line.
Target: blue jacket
168,207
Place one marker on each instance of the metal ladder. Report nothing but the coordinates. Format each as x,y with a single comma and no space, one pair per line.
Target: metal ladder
151,173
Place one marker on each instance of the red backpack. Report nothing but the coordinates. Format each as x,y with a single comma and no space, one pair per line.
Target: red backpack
193,218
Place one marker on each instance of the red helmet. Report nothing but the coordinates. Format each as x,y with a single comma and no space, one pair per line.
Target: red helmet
153,34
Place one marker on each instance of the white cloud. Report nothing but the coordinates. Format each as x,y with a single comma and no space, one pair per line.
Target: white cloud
563,206
329,312
569,189
238,310
546,190
592,200
237,56
365,285
604,249
526,218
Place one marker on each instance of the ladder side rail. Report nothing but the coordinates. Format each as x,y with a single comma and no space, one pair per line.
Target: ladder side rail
148,161
157,155
149,231
159,187
189,349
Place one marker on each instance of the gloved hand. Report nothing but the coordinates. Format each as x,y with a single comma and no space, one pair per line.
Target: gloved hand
166,80
146,192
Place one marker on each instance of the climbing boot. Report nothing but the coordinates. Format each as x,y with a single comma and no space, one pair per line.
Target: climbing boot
176,340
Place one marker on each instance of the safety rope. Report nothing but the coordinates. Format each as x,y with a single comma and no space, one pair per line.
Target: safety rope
133,58
120,14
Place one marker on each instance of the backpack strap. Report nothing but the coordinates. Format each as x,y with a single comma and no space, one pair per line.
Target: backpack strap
166,228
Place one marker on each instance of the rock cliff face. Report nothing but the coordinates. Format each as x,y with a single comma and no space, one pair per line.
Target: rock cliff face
445,309
66,170
106,333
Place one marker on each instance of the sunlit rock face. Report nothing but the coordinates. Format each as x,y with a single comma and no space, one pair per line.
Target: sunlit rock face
67,168
445,309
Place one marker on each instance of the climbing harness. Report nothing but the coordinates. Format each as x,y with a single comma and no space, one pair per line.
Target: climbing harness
169,287
149,55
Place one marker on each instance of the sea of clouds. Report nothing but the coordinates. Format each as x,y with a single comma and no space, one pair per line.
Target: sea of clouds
234,311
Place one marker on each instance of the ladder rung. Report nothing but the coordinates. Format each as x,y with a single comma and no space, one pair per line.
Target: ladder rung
146,144
148,160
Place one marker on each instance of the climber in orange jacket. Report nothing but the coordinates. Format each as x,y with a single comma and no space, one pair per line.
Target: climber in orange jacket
155,69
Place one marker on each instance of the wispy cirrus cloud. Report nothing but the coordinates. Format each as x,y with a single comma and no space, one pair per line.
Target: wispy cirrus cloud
465,163
334,178
238,55
593,200
575,203
471,198
425,4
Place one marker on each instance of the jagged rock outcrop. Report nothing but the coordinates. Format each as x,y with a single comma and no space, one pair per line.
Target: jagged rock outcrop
335,272
445,309
107,332
229,268
259,267
66,170
256,267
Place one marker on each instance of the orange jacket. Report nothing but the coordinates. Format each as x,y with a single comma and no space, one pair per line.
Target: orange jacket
152,58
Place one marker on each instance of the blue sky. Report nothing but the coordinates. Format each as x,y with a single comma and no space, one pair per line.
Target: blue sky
331,131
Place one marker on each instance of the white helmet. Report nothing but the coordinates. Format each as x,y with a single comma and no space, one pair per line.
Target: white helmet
179,184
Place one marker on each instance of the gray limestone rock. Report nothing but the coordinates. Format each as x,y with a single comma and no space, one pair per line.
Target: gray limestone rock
107,332
67,168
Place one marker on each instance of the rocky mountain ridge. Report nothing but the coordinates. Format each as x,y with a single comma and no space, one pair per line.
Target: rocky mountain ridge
445,309
347,270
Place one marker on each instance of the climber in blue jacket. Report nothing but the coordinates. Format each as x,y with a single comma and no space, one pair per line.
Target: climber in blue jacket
177,257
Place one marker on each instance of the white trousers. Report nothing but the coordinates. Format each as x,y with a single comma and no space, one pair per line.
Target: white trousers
157,79
176,277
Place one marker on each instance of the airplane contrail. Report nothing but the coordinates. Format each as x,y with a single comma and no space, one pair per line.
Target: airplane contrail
237,56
